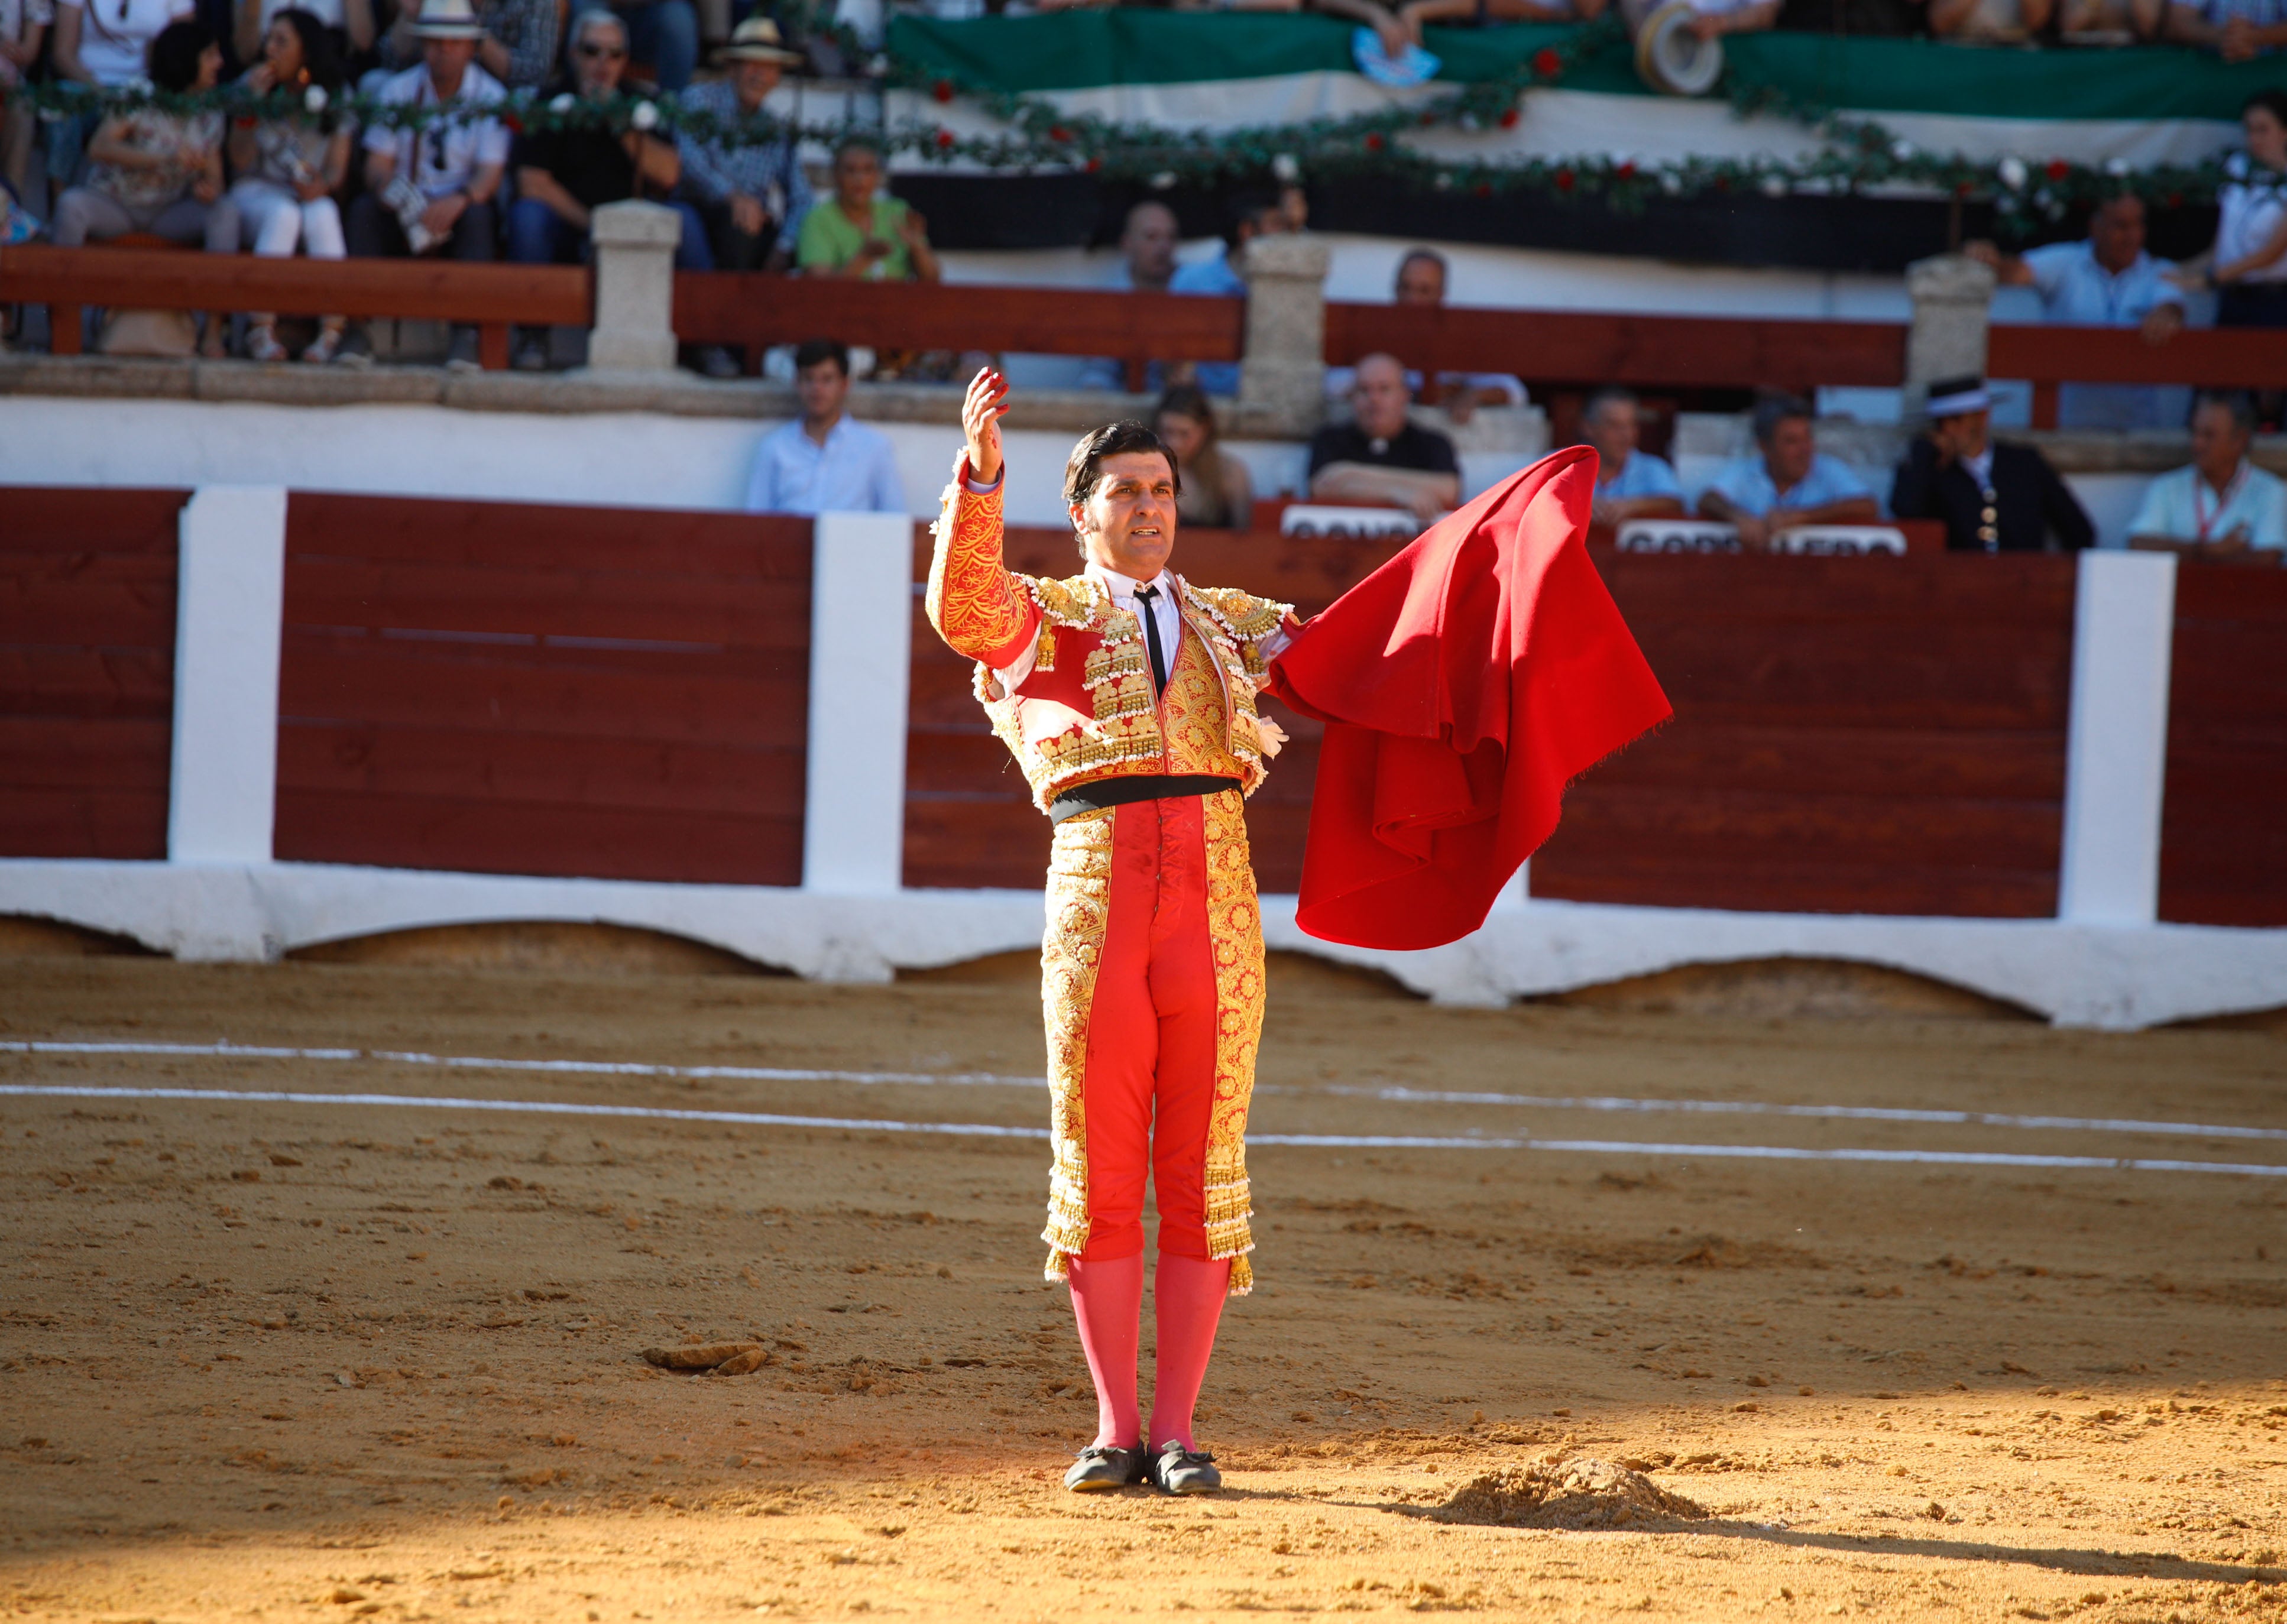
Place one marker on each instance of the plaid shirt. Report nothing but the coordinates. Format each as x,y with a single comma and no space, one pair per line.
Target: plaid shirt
713,171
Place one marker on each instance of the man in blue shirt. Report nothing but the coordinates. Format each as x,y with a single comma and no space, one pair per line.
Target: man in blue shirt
2105,279
1630,483
1790,484
1251,217
825,462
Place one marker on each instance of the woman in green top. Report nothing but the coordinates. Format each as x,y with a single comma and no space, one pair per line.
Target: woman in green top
857,233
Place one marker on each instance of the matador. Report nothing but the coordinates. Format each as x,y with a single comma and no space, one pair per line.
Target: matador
1128,696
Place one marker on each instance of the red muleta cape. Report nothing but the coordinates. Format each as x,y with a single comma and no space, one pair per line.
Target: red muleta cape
1462,685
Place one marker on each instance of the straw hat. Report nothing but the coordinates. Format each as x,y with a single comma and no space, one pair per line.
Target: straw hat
756,40
447,20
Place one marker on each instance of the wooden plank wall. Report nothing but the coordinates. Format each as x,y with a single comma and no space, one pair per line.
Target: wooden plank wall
1851,735
2223,855
970,819
87,670
516,689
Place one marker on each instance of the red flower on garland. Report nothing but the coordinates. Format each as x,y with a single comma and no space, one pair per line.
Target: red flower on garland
1484,188
942,90
1545,63
1373,141
944,139
2058,169
1428,121
515,124
1508,118
1057,133
1092,165
244,121
1626,172
2176,199
1961,188
1563,180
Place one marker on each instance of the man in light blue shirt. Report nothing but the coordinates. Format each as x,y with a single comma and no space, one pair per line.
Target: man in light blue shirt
2221,507
1790,484
1251,218
825,462
2105,279
1630,483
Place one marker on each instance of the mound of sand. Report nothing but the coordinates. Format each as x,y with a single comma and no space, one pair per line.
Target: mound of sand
1579,1493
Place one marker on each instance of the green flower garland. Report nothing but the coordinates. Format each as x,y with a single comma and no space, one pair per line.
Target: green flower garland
1857,155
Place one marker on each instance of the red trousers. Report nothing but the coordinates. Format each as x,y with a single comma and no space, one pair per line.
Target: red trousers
1154,991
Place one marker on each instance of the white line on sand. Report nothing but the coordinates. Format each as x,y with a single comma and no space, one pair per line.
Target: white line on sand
1399,1095
1601,1147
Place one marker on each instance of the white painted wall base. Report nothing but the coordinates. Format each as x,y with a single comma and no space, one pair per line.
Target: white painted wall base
2077,975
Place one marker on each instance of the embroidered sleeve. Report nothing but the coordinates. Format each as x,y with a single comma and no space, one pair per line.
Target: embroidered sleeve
974,602
1260,627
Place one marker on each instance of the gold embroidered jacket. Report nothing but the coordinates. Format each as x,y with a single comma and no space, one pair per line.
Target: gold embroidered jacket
1085,711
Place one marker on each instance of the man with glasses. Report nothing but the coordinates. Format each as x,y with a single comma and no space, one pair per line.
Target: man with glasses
563,175
432,191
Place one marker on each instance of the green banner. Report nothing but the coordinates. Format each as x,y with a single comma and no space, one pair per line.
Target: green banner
1121,45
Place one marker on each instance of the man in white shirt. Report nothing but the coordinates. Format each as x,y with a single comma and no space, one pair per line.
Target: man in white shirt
826,462
451,170
2220,507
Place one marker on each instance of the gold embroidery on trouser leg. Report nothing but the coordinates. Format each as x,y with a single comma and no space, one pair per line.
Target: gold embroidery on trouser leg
1235,934
1079,908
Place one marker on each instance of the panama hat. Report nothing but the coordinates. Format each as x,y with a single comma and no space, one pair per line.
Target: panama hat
447,20
756,40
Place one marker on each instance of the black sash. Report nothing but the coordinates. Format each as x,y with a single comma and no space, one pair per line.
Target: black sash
1136,786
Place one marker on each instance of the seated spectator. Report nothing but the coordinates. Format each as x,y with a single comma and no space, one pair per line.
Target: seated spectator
2247,263
1793,483
825,462
23,32
2222,507
1630,483
1993,497
432,189
104,44
1251,215
515,45
1382,456
2109,22
1422,277
287,170
2236,30
1147,260
752,194
149,171
351,22
1216,490
2105,279
663,33
1989,22
564,176
857,233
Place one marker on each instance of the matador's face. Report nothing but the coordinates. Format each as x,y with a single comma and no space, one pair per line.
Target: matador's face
1127,524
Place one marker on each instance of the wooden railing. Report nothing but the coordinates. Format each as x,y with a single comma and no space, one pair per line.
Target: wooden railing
2211,358
1599,347
754,310
490,297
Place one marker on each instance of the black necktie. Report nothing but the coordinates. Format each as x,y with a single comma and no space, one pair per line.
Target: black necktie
1148,598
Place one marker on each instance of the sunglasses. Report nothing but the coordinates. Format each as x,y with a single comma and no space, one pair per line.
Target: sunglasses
614,51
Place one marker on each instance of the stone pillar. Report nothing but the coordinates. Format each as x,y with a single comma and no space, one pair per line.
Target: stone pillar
1283,370
635,287
1953,302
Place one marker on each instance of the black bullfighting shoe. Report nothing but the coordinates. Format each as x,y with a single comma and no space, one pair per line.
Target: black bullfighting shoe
1105,1466
1178,1470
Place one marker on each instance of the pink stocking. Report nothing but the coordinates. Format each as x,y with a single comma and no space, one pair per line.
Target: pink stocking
1108,1302
1187,1296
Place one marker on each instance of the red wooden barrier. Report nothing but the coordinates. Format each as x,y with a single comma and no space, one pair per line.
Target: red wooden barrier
513,689
491,296
751,309
2223,858
970,819
1599,347
1856,735
87,670
2214,358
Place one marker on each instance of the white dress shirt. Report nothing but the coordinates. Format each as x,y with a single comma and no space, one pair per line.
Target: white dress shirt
854,471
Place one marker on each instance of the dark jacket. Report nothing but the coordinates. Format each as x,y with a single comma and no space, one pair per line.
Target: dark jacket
2033,503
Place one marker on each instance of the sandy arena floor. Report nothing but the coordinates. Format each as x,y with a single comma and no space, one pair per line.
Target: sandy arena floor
333,1361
